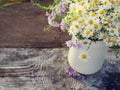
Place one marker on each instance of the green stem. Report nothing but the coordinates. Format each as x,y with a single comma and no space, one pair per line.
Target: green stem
43,7
89,45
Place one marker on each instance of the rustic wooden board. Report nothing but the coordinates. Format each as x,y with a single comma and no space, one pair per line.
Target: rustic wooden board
45,69
22,25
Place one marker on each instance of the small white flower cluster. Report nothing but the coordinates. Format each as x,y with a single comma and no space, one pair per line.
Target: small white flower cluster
95,19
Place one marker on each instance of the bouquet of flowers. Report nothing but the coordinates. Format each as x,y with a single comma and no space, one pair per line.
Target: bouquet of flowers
87,20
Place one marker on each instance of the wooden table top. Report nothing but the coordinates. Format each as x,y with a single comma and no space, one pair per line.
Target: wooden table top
22,25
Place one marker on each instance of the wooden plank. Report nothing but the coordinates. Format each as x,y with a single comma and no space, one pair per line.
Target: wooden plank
22,25
45,69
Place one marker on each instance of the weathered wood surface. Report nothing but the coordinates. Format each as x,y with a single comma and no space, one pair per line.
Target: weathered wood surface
22,25
45,69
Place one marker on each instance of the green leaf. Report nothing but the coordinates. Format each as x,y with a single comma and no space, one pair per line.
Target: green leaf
58,17
79,36
73,1
56,1
44,7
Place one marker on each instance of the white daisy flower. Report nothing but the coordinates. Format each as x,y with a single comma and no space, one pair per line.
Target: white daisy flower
74,28
108,20
107,4
103,36
83,56
96,25
86,41
95,1
101,12
115,20
111,41
92,14
113,2
86,6
112,31
90,21
114,41
118,29
72,7
108,42
87,33
80,9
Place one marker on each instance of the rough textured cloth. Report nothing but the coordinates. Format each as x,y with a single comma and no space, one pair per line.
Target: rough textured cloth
45,69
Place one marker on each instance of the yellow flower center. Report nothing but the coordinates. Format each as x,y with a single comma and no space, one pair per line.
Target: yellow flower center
112,31
92,14
76,26
79,11
92,5
85,42
109,40
74,19
112,1
101,11
95,1
90,22
83,56
104,37
87,31
115,20
85,7
113,41
74,9
108,21
119,29
96,26
105,3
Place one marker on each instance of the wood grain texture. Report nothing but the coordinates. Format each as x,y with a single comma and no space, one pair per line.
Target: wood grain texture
22,25
36,69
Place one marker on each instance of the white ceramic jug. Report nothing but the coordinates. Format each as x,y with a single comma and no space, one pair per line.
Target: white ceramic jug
97,53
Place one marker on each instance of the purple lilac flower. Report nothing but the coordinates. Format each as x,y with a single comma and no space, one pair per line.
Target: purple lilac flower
52,16
33,74
54,81
73,44
47,14
63,25
70,44
71,72
51,21
62,7
81,77
74,74
79,45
